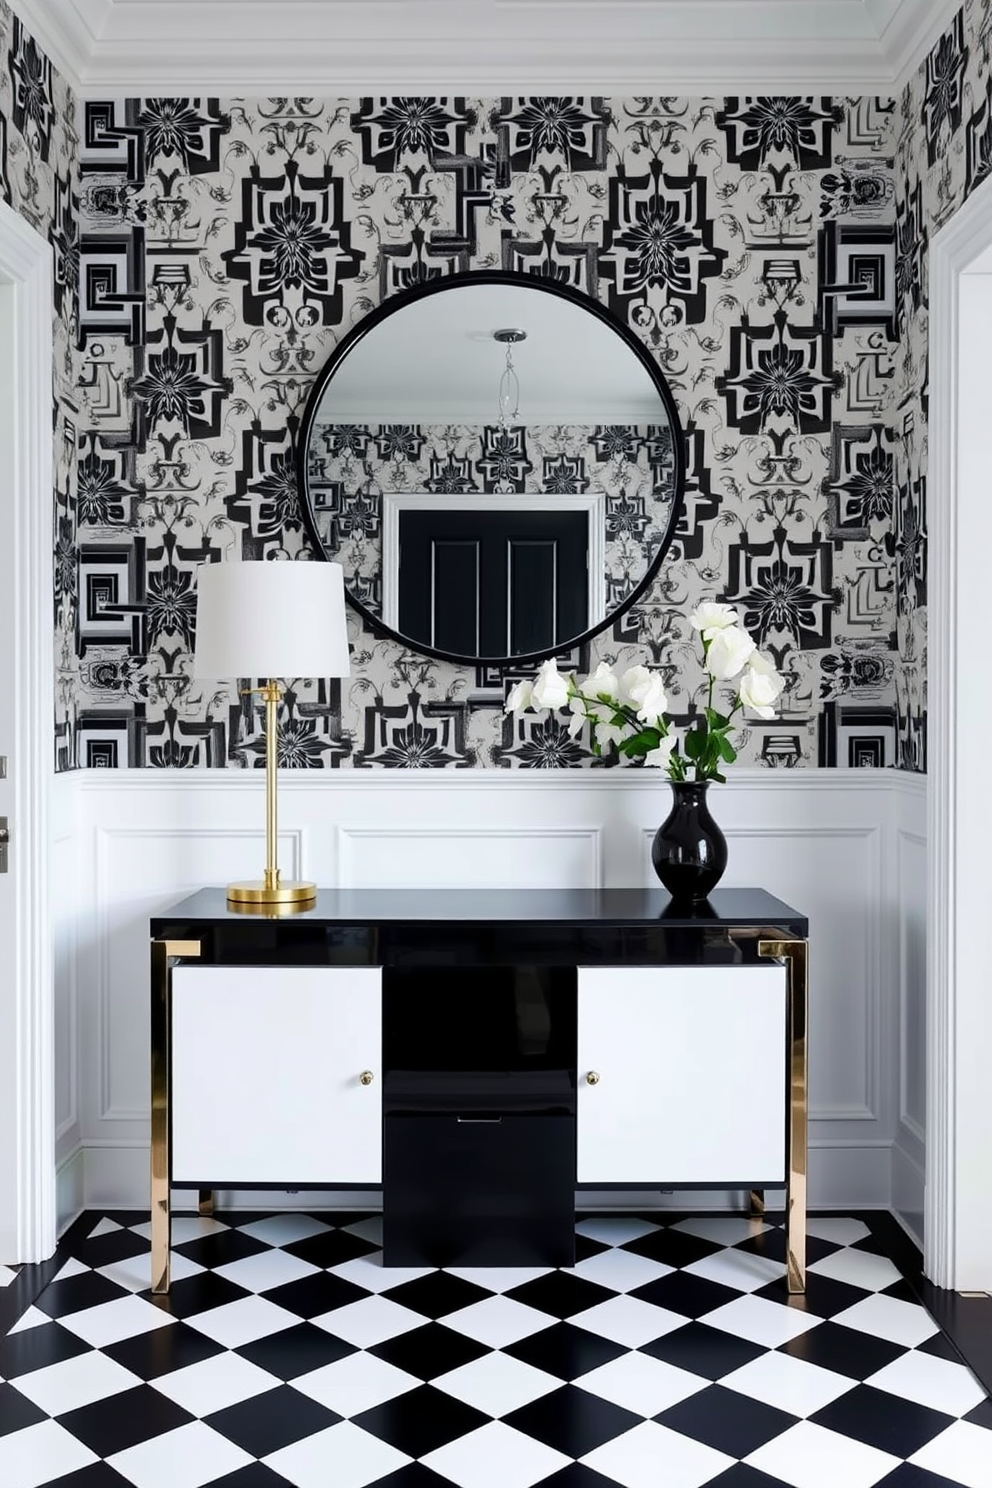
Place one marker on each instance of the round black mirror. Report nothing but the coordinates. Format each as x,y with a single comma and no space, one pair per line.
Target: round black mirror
496,463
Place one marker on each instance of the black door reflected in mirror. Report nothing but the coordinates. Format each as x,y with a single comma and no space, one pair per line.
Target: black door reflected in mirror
496,463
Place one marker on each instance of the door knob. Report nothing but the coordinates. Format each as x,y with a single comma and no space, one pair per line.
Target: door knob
592,1078
366,1077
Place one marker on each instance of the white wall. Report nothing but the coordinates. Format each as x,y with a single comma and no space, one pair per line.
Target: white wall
909,845
845,847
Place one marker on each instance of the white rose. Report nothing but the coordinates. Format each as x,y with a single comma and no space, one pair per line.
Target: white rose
709,617
727,652
645,692
550,688
520,697
601,683
577,722
760,686
661,757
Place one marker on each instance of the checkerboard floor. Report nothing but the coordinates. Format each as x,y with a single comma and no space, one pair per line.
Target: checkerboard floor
670,1357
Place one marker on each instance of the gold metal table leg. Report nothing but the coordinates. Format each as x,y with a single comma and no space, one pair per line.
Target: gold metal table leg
163,954
795,953
206,1202
756,1203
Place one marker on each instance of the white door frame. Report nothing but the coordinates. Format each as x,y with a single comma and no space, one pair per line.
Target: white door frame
27,1141
958,1203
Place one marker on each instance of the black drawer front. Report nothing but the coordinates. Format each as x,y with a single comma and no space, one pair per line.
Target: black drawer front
468,1192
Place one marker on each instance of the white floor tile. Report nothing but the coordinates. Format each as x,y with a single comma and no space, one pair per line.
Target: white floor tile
284,1229
808,1456
268,1269
738,1269
498,1321
370,1321
369,1272
887,1317
858,1267
723,1229
367,1229
191,1455
792,1385
40,1453
355,1384
105,1227
628,1321
185,1227
615,1229
841,1231
621,1270
112,1322
760,1321
75,1382
497,1383
343,1456
135,1273
961,1453
33,1318
214,1383
7,1275
640,1383
241,1322
499,1278
72,1267
495,1456
938,1383
651,1456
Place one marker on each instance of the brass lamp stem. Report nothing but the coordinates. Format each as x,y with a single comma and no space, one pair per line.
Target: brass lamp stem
272,895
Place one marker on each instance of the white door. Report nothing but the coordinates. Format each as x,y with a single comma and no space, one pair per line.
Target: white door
267,1067
689,1075
27,1147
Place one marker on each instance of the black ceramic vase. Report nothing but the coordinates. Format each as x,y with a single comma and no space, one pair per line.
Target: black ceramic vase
689,851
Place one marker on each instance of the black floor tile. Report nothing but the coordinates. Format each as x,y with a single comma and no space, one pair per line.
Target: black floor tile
565,1351
742,1476
572,1420
119,1245
576,1475
824,1297
414,1475
560,1294
221,1247
314,1295
272,1420
700,1349
882,1420
421,1420
121,1421
77,1293
438,1294
908,1476
771,1245
330,1248
17,1411
163,1350
100,1475
36,1348
902,1291
691,1296
940,1347
982,1414
195,1294
673,1247
429,1351
586,1247
295,1351
726,1421
844,1350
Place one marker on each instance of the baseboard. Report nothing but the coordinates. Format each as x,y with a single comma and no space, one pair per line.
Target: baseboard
70,1189
908,1180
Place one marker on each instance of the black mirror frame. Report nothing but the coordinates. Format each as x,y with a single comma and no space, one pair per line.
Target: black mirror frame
391,306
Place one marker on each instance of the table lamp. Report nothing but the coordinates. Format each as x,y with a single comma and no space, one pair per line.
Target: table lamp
271,620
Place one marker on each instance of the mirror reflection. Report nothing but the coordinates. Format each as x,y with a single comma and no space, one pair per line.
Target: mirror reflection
496,466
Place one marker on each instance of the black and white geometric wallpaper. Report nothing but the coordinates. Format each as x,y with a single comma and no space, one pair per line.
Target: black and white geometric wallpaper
769,252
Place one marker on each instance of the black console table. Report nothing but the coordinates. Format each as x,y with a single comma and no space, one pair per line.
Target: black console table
480,1056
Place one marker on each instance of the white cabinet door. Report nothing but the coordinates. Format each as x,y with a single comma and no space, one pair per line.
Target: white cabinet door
266,1066
692,1075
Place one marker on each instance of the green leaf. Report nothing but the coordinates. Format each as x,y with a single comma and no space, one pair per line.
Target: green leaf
727,751
716,720
695,743
641,742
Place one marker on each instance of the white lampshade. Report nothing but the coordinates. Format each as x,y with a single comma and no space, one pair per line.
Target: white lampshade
271,619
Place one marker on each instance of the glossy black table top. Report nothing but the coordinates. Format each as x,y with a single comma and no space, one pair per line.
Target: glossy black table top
606,908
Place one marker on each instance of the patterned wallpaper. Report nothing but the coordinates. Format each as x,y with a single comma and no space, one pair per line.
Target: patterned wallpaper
770,252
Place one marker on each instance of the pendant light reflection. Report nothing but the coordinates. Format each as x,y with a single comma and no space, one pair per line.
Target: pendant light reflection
509,383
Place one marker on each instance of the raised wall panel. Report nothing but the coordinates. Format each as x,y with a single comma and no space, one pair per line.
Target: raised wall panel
911,894
470,857
690,1065
265,1075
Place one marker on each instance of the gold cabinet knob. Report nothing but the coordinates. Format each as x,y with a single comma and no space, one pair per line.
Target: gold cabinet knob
366,1077
592,1078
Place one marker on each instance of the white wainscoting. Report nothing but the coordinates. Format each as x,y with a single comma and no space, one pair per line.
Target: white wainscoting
841,846
910,865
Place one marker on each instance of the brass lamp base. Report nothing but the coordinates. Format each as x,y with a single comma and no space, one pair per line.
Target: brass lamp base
286,895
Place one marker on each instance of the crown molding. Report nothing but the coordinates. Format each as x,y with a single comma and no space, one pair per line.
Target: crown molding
634,47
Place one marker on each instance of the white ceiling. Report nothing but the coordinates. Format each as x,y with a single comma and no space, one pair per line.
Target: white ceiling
486,47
